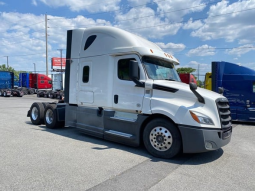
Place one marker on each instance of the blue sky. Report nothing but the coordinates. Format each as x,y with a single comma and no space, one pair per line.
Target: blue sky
196,32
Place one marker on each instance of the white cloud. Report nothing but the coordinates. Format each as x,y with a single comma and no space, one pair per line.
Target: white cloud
238,25
2,3
24,34
171,47
241,50
34,2
192,25
204,50
136,20
78,5
174,10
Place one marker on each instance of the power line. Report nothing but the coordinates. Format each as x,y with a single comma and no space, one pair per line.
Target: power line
217,48
24,34
24,55
23,41
148,15
180,22
169,11
110,11
24,26
188,20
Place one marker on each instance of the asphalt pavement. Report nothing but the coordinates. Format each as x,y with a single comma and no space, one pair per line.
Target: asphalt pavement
36,158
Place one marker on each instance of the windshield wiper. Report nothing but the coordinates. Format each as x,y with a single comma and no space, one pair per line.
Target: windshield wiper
170,79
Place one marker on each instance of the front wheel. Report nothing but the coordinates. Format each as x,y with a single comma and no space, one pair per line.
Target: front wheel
162,138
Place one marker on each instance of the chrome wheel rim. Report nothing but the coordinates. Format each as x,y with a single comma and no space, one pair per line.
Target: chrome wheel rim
161,138
49,116
34,113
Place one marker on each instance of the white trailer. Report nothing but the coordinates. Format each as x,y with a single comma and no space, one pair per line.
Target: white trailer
57,81
121,87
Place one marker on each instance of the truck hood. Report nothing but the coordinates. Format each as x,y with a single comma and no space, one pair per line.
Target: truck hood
184,90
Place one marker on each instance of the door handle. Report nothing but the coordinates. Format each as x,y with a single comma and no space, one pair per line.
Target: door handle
116,99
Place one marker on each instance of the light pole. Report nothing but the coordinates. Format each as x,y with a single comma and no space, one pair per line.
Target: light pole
7,61
34,67
61,68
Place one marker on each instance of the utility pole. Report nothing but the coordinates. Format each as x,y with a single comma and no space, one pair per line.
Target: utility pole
61,68
34,67
46,41
198,72
7,61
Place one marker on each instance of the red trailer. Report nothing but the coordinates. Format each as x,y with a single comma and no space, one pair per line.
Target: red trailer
187,78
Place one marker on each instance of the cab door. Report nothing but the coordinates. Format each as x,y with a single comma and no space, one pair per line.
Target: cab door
127,97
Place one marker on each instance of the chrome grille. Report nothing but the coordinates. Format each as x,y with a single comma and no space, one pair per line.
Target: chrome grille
224,112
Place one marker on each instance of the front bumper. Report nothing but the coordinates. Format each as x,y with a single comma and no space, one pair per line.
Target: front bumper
197,140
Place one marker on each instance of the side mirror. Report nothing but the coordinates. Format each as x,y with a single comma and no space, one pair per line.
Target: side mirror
133,70
192,86
134,73
220,90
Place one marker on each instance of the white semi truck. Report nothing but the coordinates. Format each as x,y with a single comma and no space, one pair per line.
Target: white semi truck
123,88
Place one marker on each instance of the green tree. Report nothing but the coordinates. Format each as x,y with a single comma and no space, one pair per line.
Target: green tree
185,70
200,83
9,69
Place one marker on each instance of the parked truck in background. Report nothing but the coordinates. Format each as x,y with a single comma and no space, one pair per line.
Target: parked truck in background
208,81
39,83
7,83
238,83
57,86
187,78
123,88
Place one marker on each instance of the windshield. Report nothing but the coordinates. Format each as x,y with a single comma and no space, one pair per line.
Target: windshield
160,69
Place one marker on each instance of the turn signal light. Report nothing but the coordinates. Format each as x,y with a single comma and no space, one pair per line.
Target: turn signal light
194,116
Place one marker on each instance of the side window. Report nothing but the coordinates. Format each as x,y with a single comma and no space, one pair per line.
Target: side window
49,82
85,74
253,87
123,69
42,77
42,81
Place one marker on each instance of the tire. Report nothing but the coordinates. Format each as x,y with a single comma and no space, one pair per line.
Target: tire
1,94
20,94
38,95
5,94
50,117
45,104
162,139
37,113
30,91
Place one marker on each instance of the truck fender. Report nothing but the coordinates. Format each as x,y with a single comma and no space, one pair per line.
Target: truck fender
169,115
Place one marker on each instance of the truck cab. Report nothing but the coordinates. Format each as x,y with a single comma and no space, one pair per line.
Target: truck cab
123,88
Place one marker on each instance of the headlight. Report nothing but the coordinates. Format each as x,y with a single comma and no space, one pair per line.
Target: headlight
201,118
